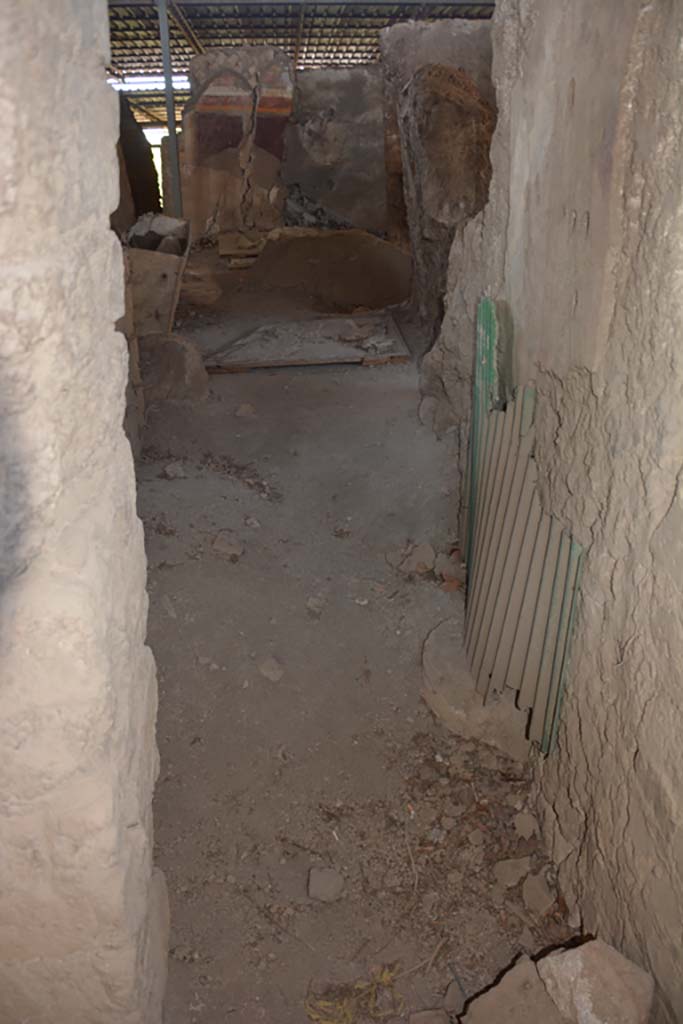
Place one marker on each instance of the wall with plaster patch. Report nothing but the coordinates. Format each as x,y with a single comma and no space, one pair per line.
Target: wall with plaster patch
232,142
334,151
83,916
582,244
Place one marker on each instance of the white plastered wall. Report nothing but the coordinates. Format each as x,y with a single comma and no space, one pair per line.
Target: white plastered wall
83,915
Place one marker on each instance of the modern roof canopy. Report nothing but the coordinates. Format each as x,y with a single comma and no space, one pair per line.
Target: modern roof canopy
315,34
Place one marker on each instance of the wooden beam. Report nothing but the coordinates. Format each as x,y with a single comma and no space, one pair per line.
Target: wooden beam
175,12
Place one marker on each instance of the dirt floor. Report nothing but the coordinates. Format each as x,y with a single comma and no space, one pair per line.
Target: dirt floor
291,730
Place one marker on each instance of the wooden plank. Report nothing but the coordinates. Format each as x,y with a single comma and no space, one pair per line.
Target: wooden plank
550,642
370,340
487,596
155,281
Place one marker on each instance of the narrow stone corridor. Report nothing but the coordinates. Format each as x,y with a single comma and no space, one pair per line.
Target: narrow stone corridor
291,729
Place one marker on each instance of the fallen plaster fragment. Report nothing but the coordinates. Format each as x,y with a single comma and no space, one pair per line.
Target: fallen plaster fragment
174,471
537,895
315,606
446,568
476,837
509,872
419,559
594,984
325,884
271,668
448,690
225,545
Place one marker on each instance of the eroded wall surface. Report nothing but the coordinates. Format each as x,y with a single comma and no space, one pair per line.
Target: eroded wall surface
445,131
82,913
334,150
232,142
405,48
582,244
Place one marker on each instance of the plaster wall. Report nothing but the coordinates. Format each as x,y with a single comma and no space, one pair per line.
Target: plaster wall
232,141
82,912
334,150
582,244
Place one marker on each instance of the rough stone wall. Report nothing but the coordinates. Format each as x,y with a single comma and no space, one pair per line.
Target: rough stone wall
82,914
405,48
232,142
334,150
582,243
445,130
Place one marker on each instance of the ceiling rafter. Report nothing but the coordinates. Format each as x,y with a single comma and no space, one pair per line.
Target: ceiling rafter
314,33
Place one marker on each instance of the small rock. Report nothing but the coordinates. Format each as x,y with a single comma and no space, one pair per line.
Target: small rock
185,954
454,998
429,1017
225,545
325,884
252,522
271,668
245,411
526,825
172,246
445,567
510,872
537,895
476,837
594,983
174,471
419,560
315,607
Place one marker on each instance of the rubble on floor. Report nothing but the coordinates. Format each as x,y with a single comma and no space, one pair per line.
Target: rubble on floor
588,984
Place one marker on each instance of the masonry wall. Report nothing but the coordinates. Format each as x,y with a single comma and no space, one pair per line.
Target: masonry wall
82,912
440,115
582,245
405,48
334,150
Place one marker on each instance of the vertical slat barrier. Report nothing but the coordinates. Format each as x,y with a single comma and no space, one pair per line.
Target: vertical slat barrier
523,569
496,511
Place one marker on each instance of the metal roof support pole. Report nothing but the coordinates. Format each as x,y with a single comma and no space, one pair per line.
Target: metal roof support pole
174,163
